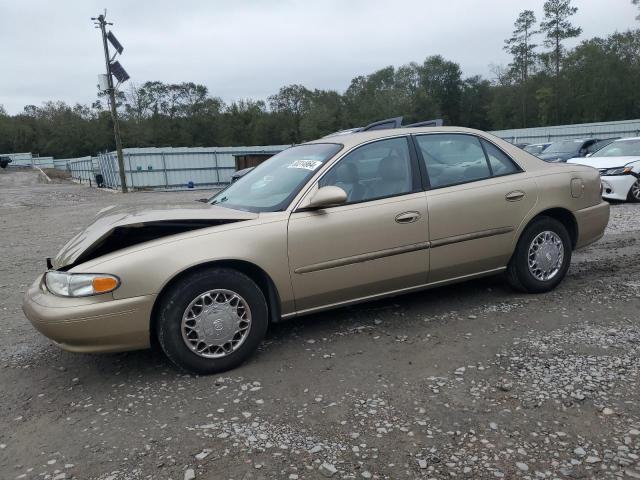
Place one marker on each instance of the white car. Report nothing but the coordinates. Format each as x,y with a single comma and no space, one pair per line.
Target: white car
619,166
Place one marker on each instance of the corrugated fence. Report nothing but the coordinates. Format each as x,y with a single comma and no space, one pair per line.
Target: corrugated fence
82,169
27,160
165,168
624,128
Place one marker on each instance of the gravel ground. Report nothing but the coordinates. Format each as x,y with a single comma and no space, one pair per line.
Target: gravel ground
467,381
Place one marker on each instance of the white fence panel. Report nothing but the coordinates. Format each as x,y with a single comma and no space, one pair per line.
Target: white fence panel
82,170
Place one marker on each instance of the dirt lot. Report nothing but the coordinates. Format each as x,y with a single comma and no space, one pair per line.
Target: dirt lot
468,381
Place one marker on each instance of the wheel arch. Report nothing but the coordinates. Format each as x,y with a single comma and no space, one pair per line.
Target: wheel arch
251,270
564,216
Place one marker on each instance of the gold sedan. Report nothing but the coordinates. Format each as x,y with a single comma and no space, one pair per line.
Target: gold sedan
340,220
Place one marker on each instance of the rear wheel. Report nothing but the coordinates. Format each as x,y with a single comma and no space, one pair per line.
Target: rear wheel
634,192
212,320
542,256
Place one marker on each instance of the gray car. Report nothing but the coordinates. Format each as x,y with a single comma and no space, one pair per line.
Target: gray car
563,150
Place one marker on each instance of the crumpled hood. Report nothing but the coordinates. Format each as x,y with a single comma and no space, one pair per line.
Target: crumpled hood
604,162
113,217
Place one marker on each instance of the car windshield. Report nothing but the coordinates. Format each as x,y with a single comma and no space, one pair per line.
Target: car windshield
566,146
271,186
620,148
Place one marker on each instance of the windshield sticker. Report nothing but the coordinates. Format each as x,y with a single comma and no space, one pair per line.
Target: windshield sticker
306,164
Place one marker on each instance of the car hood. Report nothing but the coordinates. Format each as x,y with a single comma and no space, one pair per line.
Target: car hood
164,219
604,162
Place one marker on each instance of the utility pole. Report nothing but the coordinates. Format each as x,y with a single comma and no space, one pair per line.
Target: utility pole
102,22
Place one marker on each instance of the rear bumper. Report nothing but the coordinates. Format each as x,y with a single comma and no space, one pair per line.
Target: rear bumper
90,324
617,187
592,222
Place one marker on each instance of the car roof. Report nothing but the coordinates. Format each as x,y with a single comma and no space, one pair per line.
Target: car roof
525,160
356,138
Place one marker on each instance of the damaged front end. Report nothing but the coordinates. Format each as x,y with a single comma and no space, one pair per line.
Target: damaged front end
115,229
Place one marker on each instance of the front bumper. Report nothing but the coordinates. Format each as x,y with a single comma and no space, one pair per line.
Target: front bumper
616,187
592,222
90,324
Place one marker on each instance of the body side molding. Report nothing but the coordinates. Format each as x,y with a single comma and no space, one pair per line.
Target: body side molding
365,257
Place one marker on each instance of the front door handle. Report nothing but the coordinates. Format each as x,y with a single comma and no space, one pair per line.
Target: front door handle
407,217
514,196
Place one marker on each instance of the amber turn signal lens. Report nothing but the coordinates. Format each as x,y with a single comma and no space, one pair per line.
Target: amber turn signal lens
104,284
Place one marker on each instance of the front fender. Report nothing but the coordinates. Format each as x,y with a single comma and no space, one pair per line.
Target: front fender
145,271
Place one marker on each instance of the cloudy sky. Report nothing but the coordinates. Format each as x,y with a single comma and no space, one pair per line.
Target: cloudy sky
250,48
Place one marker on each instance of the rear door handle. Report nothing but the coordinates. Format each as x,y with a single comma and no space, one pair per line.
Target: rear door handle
514,196
407,217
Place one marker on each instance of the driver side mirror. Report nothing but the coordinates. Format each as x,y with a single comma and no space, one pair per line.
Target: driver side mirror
329,196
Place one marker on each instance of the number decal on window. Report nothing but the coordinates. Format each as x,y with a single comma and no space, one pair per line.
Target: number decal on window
306,164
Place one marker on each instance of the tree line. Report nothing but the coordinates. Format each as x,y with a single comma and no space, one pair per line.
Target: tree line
545,83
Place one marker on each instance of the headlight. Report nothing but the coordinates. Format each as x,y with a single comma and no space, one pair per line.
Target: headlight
615,171
80,284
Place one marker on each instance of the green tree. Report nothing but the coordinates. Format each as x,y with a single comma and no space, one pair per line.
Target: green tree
441,81
324,114
520,45
290,104
242,120
476,103
557,28
522,51
604,74
373,97
544,97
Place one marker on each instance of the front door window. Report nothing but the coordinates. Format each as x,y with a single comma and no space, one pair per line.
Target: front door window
376,170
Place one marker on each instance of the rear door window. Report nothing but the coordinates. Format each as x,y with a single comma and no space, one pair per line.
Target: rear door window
451,159
500,163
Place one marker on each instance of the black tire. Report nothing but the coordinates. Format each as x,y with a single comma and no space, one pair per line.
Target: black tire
175,301
631,197
518,274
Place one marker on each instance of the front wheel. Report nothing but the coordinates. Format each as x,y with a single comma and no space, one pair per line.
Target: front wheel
634,192
211,320
542,256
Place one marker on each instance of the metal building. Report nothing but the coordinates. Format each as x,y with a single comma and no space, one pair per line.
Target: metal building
244,160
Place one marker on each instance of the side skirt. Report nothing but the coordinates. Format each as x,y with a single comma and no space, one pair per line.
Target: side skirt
392,293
